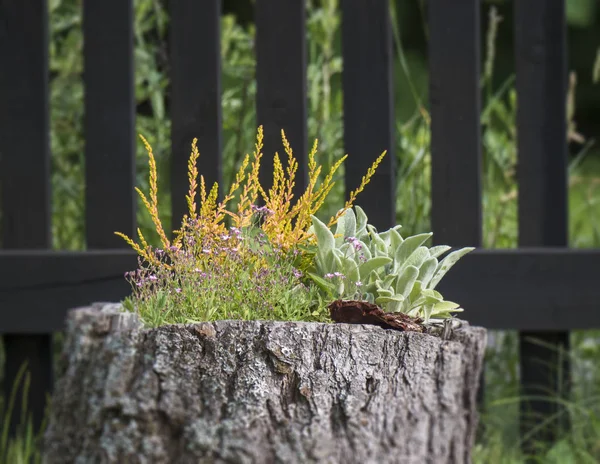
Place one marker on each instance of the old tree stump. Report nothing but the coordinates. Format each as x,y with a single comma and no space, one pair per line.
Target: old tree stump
261,392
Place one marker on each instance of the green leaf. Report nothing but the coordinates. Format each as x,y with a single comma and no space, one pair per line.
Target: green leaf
431,296
325,285
408,247
427,270
427,309
396,240
445,306
392,303
349,224
417,258
439,250
364,251
416,291
406,281
350,269
378,246
361,223
446,264
325,239
384,293
373,264
328,263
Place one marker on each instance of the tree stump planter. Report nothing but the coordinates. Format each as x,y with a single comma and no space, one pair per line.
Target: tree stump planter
261,392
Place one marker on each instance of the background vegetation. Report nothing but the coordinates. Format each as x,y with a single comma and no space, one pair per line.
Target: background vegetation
499,440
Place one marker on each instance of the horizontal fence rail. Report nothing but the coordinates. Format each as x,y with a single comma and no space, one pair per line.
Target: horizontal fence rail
525,289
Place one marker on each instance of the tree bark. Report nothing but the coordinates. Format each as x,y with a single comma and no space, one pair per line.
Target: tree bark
261,392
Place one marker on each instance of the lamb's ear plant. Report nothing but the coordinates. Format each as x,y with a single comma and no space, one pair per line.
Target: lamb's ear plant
398,274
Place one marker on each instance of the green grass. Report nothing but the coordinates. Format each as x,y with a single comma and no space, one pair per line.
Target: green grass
500,443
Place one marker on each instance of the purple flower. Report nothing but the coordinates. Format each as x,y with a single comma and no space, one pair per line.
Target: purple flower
359,283
297,273
355,242
262,210
152,278
177,290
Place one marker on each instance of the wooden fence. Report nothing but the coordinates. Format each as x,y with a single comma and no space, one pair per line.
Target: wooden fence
542,289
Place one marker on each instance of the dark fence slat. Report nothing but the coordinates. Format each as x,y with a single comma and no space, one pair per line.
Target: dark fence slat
454,69
369,106
109,122
455,105
281,99
195,73
541,81
25,174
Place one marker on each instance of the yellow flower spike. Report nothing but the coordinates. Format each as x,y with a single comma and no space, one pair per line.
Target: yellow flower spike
286,226
192,177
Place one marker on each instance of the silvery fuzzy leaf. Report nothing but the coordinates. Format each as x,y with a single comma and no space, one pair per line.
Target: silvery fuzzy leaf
348,250
349,224
384,292
427,270
408,246
385,236
396,241
445,306
439,250
370,285
431,296
406,281
416,291
327,286
366,268
446,264
350,269
388,280
390,304
361,223
345,227
378,246
329,263
364,250
387,299
427,309
325,239
417,258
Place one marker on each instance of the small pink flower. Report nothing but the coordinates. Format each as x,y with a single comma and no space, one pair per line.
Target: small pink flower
177,290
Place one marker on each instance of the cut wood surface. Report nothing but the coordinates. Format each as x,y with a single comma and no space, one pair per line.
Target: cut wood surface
261,392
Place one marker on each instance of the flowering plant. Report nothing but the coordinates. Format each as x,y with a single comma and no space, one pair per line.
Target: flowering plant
398,274
250,268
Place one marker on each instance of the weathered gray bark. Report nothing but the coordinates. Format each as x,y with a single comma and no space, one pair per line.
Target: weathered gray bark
261,392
